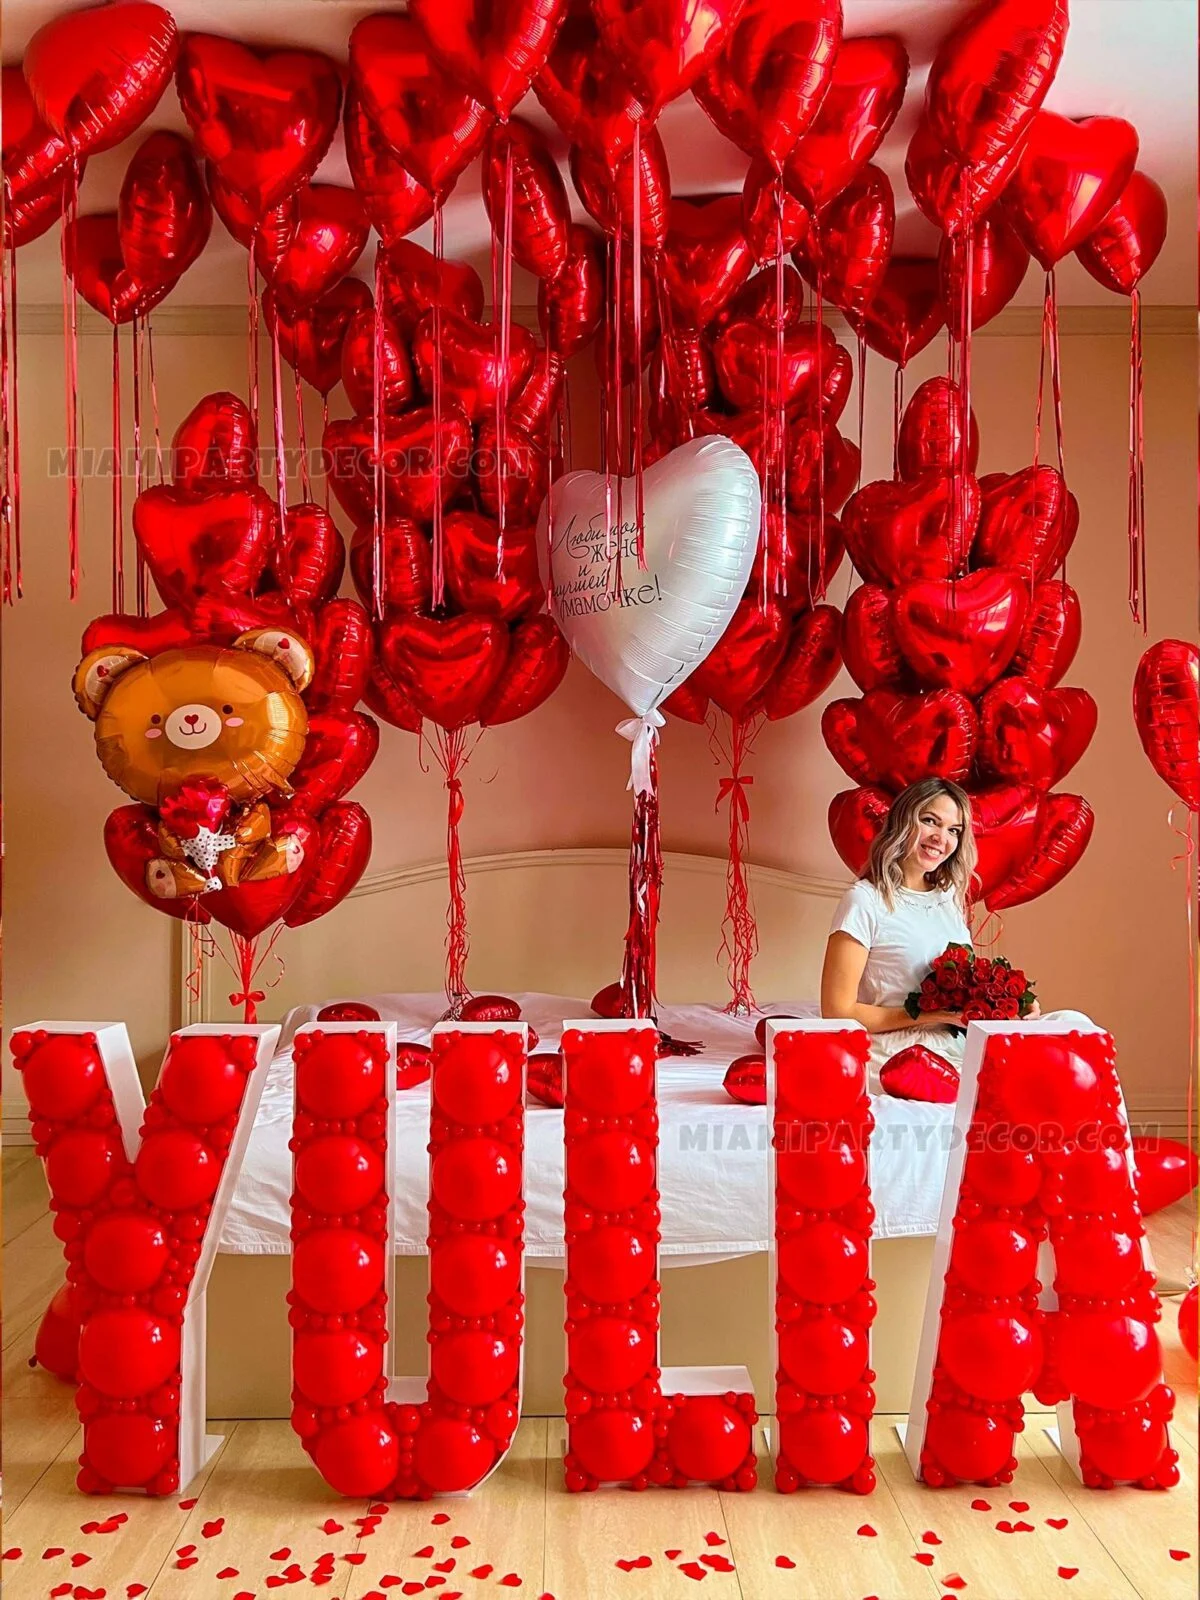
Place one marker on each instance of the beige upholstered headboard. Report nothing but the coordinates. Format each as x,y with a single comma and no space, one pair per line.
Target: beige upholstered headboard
549,920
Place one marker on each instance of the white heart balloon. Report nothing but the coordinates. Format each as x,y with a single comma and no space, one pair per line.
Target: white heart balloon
701,524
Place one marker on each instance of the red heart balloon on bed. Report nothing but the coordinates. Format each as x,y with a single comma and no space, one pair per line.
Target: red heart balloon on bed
387,700
414,448
939,183
490,1008
415,281
706,258
586,92
337,752
1068,176
918,1073
312,342
96,74
813,364
1166,709
328,237
961,635
999,262
432,123
905,311
265,119
218,545
309,557
131,842
337,864
571,307
1032,735
739,667
1128,239
215,446
471,548
864,96
407,566
541,211
901,532
344,648
745,1080
92,250
1028,522
471,357
447,667
164,215
397,384
851,243
869,646
607,192
395,202
544,1078
414,1065
892,740
351,1011
1051,634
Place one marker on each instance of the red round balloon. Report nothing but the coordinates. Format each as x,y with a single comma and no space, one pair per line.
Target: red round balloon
970,1445
176,1170
994,1258
338,1173
1095,1260
201,1082
125,1252
1108,1361
474,1274
612,1171
126,1353
56,1343
611,1265
1093,1180
81,1165
335,1369
823,1354
336,1270
63,1078
1057,1086
127,1450
359,1457
475,1179
338,1077
824,1263
708,1439
475,1081
1187,1322
610,1354
451,1456
613,1445
474,1368
612,1082
821,1180
1003,1177
1126,1448
829,1087
823,1446
994,1356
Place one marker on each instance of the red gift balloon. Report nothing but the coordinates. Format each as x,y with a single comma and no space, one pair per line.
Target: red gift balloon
961,635
906,310
1032,735
899,532
944,190
449,667
772,218
164,215
131,843
218,545
370,332
471,360
810,663
312,342
1069,175
407,566
706,258
342,644
1028,522
869,645
471,551
767,84
538,656
1064,828
586,92
864,96
931,431
328,238
309,556
432,123
386,699
1126,242
890,740
422,462
494,50
745,354
339,862
664,45
92,248
541,212
338,750
395,201
1166,709
608,192
991,74
849,247
96,74
571,306
414,281
1051,635
919,1074
740,665
215,446
998,264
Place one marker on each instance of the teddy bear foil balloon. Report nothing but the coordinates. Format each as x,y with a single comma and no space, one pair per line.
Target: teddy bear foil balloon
204,734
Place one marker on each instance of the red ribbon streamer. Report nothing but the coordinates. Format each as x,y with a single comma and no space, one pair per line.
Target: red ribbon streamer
639,969
452,756
1137,464
439,570
739,929
379,590
71,373
117,473
10,430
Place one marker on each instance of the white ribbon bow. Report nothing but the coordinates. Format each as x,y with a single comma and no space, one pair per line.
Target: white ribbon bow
642,733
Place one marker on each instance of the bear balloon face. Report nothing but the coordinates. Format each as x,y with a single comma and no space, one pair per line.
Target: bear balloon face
231,714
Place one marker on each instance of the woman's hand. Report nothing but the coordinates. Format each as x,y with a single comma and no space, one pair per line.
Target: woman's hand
940,1019
1033,1013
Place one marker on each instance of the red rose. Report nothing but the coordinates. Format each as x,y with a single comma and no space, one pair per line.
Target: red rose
928,986
1016,984
929,1002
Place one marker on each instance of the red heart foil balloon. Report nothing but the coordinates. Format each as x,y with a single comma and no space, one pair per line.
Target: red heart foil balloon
1127,241
168,630
941,187
537,400
706,258
841,467
906,310
608,192
394,201
92,251
758,296
869,646
663,45
272,228
892,740
435,126
471,550
864,96
745,1080
687,703
1028,522
312,342
37,162
309,556
344,649
931,432
1004,820
1051,634
265,119
407,566
773,220
898,532
490,1008
218,545
250,908
544,1078
495,49
603,350
1166,710
131,843
795,564
849,247
447,667
415,281
538,656
919,1074
220,619
586,92
330,232
855,817
571,307
387,700
739,667
32,215
352,1011
215,446
1032,735
682,380
541,212
525,477
367,334
471,359
337,752
766,86
999,262
1069,175
421,462
962,635
1064,829
810,663
337,865
745,353
164,215
96,74
991,74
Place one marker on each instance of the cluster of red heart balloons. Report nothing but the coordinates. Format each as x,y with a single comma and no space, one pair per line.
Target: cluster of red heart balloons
224,560
958,638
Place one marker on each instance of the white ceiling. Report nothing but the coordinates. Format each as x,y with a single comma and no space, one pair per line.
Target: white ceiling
1128,58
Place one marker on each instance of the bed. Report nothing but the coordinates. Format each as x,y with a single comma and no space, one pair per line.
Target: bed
558,916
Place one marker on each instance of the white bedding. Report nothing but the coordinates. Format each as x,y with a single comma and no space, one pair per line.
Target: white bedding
712,1152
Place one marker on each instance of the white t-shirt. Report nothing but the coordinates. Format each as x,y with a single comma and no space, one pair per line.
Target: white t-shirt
902,943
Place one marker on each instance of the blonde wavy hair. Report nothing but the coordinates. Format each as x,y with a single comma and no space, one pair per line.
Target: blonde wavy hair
885,862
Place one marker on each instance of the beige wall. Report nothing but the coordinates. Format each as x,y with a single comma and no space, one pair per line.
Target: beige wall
1110,940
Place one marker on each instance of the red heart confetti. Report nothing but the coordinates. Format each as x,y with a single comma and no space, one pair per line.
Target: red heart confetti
439,1518
924,1557
980,1505
54,1550
186,1505
12,1554
482,1572
719,1563
693,1569
672,1555
79,1559
228,1572
135,1589
445,1566
713,1538
511,1581
412,1588
293,1574
210,1530
1179,1555
281,1555
784,1561
1056,1522
187,1561
1004,1527
459,1541
330,1526
379,1509
60,1589
628,1563
243,1594
424,1552
1018,1505
88,1594
954,1581
389,1580
186,1550
1067,1572
1022,1527
355,1557
866,1531
929,1537
433,1580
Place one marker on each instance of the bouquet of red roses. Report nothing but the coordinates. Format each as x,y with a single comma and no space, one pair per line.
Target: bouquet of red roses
982,988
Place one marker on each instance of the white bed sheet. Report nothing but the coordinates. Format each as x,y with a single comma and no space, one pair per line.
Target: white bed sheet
712,1151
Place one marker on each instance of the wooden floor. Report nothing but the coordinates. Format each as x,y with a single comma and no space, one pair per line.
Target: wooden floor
260,1513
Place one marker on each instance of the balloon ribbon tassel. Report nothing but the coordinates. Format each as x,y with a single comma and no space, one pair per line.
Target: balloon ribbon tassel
10,429
245,950
1137,467
739,930
452,756
638,973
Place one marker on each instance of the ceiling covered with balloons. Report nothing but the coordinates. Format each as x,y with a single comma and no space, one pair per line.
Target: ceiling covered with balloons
1128,58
